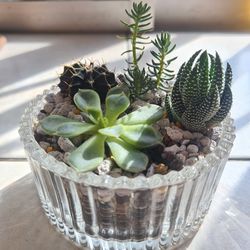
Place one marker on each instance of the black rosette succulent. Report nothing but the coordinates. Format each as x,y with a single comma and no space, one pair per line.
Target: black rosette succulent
87,76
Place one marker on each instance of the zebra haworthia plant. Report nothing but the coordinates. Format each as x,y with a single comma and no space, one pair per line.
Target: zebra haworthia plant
201,96
125,135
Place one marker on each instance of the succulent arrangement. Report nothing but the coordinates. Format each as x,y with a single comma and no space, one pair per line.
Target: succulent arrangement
198,99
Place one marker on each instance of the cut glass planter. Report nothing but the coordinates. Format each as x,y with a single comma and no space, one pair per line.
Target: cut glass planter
106,213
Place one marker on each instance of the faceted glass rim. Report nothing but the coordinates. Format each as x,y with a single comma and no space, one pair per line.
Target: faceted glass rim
36,154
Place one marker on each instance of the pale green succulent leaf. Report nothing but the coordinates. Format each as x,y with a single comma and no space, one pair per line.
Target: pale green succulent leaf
140,136
145,115
116,104
126,157
113,131
62,126
89,155
88,101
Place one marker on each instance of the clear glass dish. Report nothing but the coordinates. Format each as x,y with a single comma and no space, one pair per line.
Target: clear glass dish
106,213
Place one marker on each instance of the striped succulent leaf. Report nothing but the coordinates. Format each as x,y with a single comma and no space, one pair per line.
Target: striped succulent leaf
201,96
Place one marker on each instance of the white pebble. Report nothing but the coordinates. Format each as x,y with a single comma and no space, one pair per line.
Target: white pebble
104,167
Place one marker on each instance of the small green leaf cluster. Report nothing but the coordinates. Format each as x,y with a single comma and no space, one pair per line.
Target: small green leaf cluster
201,96
139,80
125,135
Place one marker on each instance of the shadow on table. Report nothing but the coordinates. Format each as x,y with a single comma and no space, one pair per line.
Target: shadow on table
23,223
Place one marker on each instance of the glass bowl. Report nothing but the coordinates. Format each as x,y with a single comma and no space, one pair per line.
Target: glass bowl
141,213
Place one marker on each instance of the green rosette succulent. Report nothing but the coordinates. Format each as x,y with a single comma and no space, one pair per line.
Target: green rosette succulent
201,96
124,135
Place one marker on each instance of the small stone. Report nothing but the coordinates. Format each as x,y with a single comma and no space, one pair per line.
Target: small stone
50,97
58,98
41,116
167,140
115,172
193,155
76,111
178,162
44,145
65,144
77,140
55,111
40,131
205,141
78,118
174,134
185,153
49,149
191,148
182,148
65,109
185,142
150,170
48,107
163,123
58,155
105,167
66,157
160,169
172,149
191,161
197,135
187,135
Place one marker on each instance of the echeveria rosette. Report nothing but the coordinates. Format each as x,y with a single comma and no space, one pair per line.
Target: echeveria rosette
201,96
125,135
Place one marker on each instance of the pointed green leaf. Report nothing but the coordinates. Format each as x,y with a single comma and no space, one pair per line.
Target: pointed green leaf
145,115
225,106
62,126
88,101
113,131
218,75
228,75
126,156
89,155
140,136
116,104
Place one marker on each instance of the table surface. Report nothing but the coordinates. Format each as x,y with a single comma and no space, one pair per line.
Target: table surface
31,63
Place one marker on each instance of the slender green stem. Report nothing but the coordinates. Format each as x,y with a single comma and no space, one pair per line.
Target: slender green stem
135,33
158,80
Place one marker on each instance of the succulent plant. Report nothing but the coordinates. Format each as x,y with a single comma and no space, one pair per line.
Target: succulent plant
125,135
87,76
138,79
201,96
